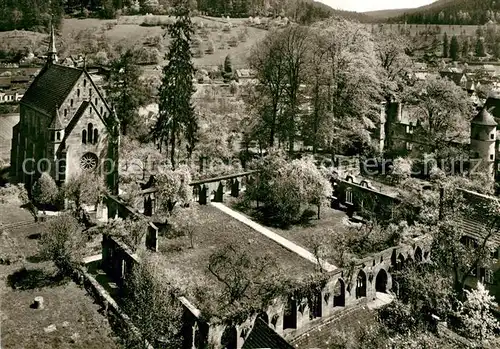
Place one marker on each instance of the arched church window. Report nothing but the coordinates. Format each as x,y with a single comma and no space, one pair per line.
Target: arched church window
96,136
96,101
101,111
78,93
71,103
84,82
89,133
65,112
84,137
58,135
90,93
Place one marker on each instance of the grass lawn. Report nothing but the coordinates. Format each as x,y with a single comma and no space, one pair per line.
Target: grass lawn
67,306
217,230
330,220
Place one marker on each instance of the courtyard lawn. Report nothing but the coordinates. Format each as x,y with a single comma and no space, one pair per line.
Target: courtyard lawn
188,266
23,276
301,234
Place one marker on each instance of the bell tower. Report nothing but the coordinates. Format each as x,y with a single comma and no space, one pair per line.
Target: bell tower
52,52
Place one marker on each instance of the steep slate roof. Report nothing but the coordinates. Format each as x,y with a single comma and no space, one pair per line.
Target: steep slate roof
484,118
453,76
51,87
263,337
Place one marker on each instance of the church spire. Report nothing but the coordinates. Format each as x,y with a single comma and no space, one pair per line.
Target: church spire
52,53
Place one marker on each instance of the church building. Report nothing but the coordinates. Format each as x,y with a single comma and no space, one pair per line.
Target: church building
65,127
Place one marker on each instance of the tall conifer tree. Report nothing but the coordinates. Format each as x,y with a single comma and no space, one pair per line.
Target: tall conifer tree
176,113
454,48
446,46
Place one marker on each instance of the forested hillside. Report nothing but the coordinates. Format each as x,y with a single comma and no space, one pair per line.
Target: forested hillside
35,14
461,12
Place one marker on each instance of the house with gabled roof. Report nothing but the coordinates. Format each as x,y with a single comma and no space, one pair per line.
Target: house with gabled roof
65,127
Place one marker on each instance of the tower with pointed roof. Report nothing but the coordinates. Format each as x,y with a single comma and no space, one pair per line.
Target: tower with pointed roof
52,52
482,141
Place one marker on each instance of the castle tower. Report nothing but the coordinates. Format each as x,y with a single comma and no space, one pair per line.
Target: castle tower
482,141
52,53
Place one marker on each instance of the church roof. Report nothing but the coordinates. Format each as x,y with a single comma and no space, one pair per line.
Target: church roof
484,118
262,336
51,87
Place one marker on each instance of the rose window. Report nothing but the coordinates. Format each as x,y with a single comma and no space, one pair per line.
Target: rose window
88,161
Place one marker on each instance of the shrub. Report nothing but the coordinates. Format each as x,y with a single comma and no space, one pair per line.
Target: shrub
210,48
62,243
9,192
45,191
233,41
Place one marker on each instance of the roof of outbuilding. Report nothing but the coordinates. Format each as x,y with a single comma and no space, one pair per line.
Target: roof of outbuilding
484,118
262,336
456,77
51,87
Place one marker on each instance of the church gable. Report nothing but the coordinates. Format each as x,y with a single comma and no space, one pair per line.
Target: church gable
84,90
86,139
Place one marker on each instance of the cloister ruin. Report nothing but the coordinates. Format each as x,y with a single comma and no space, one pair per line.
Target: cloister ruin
367,282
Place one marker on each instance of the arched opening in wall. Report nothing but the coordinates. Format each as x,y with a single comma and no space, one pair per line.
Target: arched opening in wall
65,112
316,305
418,254
229,339
96,101
100,111
400,262
78,93
84,82
339,294
361,285
290,315
381,281
96,136
58,135
148,206
71,103
84,137
90,133
263,316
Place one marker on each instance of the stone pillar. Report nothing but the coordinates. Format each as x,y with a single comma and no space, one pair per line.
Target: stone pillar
235,188
219,193
204,195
